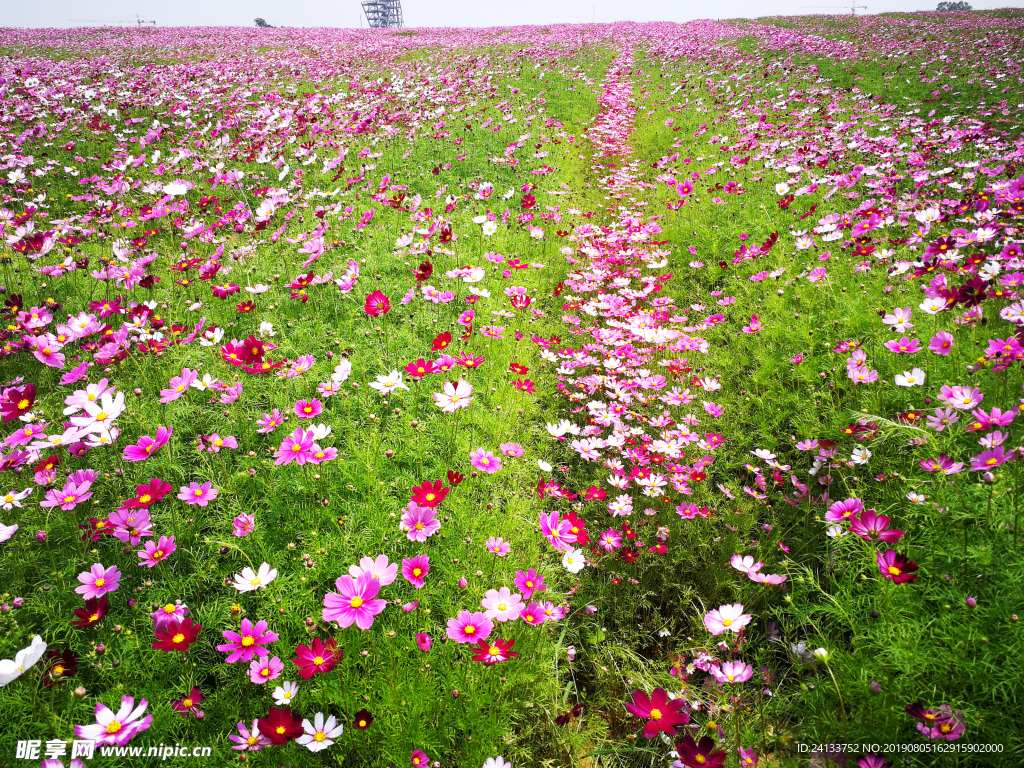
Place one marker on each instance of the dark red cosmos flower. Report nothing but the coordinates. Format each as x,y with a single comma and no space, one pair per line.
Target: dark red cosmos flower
245,307
280,725
528,202
176,635
524,385
660,713
517,368
50,462
424,272
363,720
18,401
699,754
429,494
500,650
895,566
454,478
441,342
420,368
574,712
94,610
60,665
317,657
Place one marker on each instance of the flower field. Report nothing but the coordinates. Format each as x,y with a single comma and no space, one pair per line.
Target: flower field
602,395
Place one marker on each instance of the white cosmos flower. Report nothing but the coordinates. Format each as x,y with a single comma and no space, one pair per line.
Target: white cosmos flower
249,580
496,762
258,288
14,498
320,734
573,560
341,372
544,466
490,227
386,384
285,693
23,659
914,378
175,188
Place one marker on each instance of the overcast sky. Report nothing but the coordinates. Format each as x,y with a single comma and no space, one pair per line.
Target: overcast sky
427,13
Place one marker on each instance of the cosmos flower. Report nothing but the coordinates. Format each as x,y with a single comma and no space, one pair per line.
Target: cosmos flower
116,728
194,493
354,602
726,618
248,642
469,627
661,714
249,580
98,581
419,523
321,733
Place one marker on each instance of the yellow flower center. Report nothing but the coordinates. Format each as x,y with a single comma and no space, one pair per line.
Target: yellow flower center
417,571
894,571
318,660
319,736
187,703
727,622
178,638
114,727
655,714
100,582
356,602
248,640
470,629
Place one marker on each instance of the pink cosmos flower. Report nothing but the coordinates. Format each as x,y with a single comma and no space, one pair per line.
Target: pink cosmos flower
244,524
168,613
732,672
423,641
265,669
529,582
296,447
533,614
903,346
68,497
766,578
130,525
379,568
308,409
512,450
990,459
98,581
498,546
610,540
469,627
178,385
485,461
248,642
249,739
354,602
415,570
726,617
962,398
148,446
419,523
502,604
870,525
558,532
941,343
840,511
214,443
268,422
455,396
116,728
157,551
194,493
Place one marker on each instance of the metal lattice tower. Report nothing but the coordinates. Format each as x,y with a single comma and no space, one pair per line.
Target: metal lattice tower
383,14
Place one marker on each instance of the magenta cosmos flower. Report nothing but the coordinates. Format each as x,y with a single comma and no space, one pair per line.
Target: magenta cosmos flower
98,581
415,570
469,627
354,601
248,642
268,422
265,669
529,582
726,617
157,551
660,713
296,447
243,525
308,409
485,461
147,446
194,493
419,523
893,565
558,532
68,497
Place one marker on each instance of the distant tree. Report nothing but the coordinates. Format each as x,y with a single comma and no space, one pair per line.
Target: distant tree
958,5
262,23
